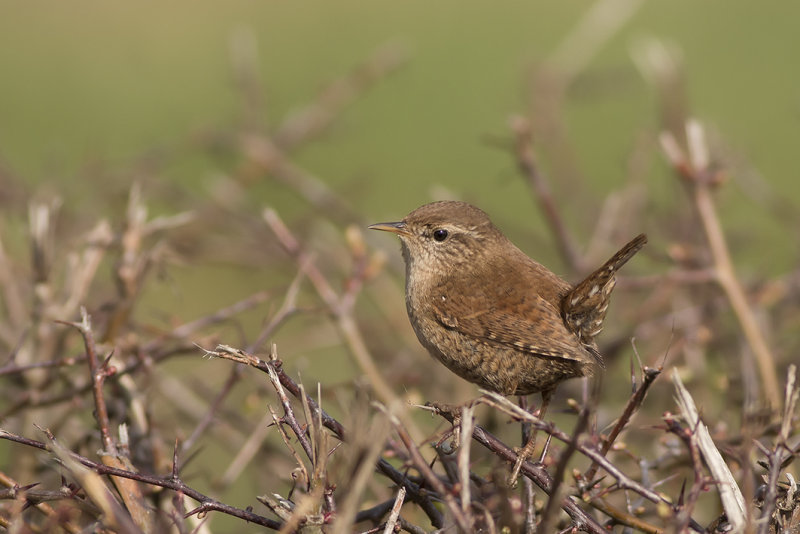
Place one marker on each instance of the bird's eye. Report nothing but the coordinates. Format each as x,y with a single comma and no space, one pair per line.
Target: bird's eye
440,234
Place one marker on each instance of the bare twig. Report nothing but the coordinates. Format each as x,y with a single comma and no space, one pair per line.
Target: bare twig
213,408
526,161
13,369
398,504
223,314
251,446
288,413
413,490
549,513
287,308
625,519
342,309
308,122
463,456
272,153
27,496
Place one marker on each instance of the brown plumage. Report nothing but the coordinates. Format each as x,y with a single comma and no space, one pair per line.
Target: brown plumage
490,313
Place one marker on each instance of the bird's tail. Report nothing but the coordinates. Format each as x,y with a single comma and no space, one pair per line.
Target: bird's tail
584,307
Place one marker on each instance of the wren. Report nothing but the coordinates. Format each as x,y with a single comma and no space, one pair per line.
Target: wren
491,314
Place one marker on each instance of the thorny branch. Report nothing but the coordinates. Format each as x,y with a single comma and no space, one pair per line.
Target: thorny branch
170,482
536,472
649,376
414,491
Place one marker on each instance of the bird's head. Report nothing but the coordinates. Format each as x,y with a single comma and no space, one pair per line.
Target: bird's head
442,236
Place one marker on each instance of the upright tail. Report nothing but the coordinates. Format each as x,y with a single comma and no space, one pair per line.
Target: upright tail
584,307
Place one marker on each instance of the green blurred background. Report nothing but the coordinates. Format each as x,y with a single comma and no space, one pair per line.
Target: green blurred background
88,82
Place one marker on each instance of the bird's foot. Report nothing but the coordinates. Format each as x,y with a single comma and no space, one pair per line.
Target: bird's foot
455,412
523,454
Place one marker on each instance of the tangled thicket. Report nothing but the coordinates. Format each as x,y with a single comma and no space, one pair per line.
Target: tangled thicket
108,411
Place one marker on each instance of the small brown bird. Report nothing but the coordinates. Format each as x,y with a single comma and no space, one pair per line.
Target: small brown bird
490,313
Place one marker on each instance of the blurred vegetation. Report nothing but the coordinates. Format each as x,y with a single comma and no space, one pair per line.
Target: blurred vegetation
178,98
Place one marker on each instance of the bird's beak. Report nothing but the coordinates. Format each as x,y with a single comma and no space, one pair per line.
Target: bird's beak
394,227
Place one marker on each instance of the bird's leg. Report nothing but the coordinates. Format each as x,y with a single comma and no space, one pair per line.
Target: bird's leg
530,444
544,449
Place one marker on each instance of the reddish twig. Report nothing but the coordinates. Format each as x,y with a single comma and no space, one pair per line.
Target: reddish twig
649,376
97,372
463,519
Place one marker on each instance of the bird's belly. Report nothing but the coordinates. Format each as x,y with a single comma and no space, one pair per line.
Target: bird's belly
493,366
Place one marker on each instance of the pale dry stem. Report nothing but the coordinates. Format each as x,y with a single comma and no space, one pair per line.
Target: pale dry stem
730,494
695,168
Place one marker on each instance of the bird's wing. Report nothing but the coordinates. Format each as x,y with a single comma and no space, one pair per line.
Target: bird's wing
527,322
